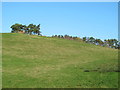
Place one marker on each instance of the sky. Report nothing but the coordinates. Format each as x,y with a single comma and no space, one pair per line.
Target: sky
96,19
60,0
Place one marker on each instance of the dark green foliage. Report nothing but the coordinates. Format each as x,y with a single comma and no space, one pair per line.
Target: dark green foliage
30,29
16,28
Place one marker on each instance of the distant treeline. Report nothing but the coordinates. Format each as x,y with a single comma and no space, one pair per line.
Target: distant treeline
30,29
111,43
35,29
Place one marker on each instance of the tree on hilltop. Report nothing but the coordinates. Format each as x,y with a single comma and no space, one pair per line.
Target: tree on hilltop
30,29
16,28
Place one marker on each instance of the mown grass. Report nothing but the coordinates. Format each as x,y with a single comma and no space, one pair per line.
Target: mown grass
31,61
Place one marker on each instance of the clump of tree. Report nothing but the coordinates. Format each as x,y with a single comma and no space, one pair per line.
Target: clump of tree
68,37
111,43
30,29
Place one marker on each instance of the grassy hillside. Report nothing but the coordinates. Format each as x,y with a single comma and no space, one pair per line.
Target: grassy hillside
41,62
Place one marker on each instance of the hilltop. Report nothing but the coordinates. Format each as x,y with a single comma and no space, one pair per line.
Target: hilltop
31,61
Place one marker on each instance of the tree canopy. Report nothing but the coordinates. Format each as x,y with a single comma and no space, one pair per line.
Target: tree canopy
30,29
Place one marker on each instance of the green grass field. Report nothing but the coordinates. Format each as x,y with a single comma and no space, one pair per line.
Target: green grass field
30,61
